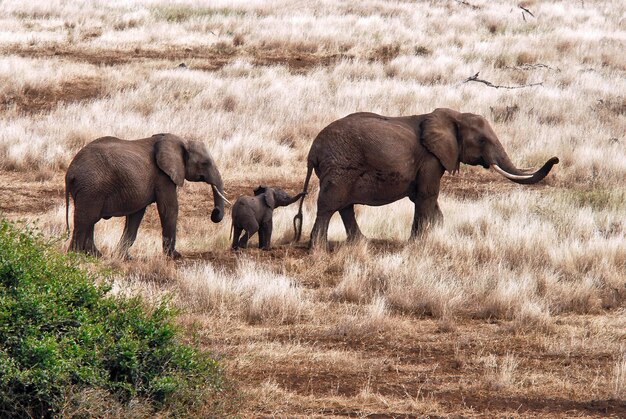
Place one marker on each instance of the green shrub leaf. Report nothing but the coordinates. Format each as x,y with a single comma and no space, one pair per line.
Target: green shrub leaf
60,329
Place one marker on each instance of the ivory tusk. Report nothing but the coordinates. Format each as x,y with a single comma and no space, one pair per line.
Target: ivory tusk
509,175
217,191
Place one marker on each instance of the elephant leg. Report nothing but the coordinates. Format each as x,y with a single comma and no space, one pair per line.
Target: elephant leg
437,215
236,235
83,239
79,234
349,221
167,206
319,234
265,235
250,228
130,232
86,215
427,211
90,243
332,197
261,236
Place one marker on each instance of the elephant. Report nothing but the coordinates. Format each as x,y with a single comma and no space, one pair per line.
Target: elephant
111,177
254,213
369,159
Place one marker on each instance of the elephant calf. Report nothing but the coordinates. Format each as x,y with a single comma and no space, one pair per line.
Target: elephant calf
254,213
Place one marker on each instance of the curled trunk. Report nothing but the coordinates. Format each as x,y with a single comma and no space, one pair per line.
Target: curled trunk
218,199
291,200
505,167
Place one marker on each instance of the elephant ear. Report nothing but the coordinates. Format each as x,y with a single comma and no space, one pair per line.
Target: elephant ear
170,157
269,198
261,189
440,137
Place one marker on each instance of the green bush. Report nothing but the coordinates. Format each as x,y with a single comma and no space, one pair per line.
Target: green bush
61,334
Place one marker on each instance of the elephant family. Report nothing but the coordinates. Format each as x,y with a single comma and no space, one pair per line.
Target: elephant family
254,213
371,159
110,177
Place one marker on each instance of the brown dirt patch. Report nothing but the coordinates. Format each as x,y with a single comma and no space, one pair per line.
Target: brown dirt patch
418,361
21,194
200,58
227,260
547,406
35,99
297,62
118,56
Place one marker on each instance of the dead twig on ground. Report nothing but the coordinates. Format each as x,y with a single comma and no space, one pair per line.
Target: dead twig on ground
496,86
524,11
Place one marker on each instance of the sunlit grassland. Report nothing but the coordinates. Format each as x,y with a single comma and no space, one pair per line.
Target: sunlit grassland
545,265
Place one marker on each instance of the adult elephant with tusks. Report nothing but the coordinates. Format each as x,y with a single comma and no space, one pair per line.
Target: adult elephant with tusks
371,159
110,177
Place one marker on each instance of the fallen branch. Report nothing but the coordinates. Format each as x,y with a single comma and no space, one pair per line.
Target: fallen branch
525,10
496,86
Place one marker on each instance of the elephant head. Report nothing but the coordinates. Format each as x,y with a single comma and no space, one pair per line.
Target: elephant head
276,197
455,137
191,160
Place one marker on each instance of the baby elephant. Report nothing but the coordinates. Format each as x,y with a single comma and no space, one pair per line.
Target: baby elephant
254,213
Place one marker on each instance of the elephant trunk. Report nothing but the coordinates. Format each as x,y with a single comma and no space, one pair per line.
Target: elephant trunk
505,167
218,198
291,200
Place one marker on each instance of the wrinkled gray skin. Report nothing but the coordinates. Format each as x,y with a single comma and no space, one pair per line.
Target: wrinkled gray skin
111,177
371,159
254,213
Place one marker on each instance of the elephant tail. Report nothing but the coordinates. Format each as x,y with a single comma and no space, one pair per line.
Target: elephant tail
297,220
67,209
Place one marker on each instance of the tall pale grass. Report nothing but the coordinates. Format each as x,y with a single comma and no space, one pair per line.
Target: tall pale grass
619,377
251,292
523,256
500,373
275,125
397,59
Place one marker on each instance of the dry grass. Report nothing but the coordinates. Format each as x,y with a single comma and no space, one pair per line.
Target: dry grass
500,373
619,377
257,295
513,307
578,114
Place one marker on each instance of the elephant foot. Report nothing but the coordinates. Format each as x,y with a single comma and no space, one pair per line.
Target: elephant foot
266,248
415,235
323,246
94,252
124,255
174,255
356,237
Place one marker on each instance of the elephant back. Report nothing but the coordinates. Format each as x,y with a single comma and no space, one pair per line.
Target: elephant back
111,165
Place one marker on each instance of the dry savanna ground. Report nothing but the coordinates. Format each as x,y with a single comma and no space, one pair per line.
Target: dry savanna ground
515,306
